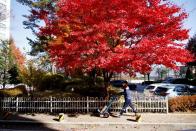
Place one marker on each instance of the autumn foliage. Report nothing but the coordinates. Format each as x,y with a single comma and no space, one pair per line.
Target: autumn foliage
115,35
18,57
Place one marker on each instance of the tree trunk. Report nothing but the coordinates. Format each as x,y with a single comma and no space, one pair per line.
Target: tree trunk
4,78
148,76
107,77
188,74
93,77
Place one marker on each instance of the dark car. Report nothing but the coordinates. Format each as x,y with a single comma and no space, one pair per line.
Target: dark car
118,83
192,90
146,83
178,81
193,82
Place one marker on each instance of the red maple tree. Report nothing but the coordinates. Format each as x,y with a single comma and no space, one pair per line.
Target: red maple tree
115,35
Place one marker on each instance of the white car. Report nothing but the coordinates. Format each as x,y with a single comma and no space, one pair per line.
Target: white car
172,90
152,87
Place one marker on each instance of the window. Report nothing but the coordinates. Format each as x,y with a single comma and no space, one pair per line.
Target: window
180,89
150,87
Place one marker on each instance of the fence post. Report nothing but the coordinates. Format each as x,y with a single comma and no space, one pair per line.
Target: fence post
167,105
50,104
16,104
87,104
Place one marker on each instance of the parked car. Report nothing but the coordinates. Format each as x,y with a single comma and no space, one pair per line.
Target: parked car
118,83
152,87
177,81
192,90
193,82
168,80
146,83
172,90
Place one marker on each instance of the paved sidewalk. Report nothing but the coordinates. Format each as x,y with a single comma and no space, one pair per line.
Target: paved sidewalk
86,122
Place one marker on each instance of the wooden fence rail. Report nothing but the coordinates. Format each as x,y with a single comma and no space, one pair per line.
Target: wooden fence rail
80,105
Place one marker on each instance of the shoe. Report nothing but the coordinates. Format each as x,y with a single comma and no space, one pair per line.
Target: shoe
138,117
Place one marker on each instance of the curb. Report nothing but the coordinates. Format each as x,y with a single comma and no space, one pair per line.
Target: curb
91,123
94,126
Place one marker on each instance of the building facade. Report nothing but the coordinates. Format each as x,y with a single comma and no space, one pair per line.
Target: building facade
5,19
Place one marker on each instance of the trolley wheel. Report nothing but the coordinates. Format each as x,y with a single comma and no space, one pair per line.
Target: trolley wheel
106,115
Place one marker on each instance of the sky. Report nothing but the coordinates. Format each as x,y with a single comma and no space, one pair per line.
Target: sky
19,33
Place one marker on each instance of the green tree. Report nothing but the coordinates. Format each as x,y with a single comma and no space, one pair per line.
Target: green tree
14,75
33,21
5,62
191,46
11,63
162,72
32,76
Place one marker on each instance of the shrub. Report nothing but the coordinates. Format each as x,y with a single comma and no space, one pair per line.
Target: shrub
16,91
53,93
52,82
90,91
32,77
84,87
183,103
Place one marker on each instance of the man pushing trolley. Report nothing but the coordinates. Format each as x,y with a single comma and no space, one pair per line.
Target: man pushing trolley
128,102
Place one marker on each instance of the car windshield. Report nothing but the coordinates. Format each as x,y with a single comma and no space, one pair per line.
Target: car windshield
150,87
180,89
161,89
168,81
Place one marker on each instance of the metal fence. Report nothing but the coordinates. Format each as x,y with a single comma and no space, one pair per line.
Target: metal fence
81,105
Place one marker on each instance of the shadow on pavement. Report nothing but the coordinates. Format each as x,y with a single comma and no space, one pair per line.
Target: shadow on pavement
13,121
132,120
